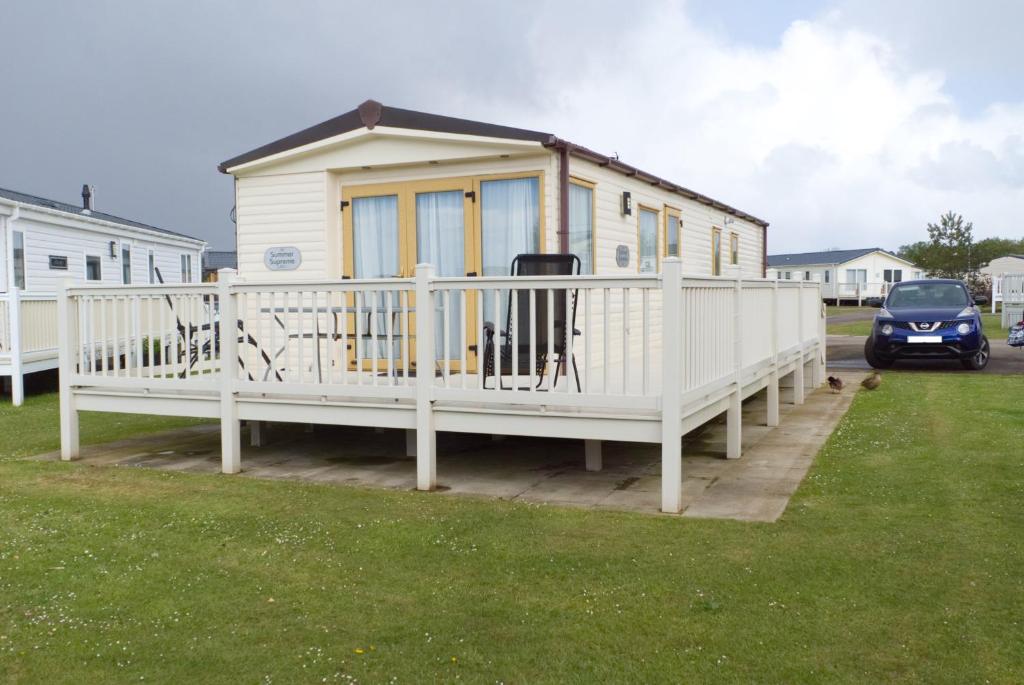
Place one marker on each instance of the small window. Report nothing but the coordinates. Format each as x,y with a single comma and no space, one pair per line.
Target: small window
152,268
887,275
827,275
186,268
734,249
673,227
93,268
716,252
581,224
126,264
789,275
648,241
19,259
897,275
807,275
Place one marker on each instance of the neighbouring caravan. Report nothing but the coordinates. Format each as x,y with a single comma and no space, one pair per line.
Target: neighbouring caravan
45,242
845,275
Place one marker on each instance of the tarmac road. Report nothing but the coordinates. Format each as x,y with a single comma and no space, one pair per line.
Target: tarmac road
847,352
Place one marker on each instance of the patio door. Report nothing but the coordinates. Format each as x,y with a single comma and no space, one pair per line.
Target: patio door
388,230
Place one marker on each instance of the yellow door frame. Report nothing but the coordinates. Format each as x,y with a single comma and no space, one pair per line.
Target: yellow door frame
673,222
657,254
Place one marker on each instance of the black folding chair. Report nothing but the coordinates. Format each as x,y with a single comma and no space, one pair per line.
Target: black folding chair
535,265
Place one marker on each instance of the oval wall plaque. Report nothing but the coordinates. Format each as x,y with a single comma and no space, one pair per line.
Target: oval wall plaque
622,255
285,258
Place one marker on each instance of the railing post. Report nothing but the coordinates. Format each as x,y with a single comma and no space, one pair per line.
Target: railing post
798,372
734,414
17,377
230,426
426,439
671,397
67,344
772,418
818,368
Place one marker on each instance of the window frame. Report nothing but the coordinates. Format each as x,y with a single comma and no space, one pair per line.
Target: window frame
592,186
734,248
151,263
16,237
99,265
672,212
186,267
716,251
126,264
640,209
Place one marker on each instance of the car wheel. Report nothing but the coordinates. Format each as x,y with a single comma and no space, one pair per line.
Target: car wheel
872,358
978,360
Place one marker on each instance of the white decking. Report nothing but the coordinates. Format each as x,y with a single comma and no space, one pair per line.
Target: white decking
28,337
658,355
1011,294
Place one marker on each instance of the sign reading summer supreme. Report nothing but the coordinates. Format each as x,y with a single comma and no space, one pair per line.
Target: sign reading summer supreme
282,258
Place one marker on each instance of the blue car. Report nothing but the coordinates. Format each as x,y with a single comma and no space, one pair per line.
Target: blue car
933,319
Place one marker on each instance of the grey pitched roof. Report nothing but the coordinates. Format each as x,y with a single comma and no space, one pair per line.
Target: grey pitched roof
220,259
826,257
372,113
37,201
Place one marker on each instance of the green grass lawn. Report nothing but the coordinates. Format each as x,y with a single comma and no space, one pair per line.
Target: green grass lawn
989,322
900,558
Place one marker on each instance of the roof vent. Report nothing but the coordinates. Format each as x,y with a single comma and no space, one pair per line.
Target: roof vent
369,113
88,193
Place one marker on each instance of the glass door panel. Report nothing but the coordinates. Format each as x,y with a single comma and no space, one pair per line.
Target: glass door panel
441,242
375,254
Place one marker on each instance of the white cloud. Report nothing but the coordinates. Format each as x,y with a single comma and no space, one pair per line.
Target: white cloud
832,135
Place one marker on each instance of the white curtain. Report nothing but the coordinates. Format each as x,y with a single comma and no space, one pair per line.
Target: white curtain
441,241
648,241
510,210
581,225
375,255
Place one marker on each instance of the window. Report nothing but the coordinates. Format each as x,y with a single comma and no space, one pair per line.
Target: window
126,264
93,268
581,224
186,268
152,268
673,227
19,259
828,273
807,275
734,249
647,237
716,252
789,275
857,276
510,221
887,275
897,275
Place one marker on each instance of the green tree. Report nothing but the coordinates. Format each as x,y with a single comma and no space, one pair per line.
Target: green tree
951,242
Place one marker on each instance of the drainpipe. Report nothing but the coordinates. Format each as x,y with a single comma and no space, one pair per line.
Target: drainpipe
564,149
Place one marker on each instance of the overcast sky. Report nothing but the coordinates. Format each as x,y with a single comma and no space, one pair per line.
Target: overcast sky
843,123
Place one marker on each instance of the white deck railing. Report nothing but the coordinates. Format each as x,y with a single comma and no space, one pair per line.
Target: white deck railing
28,336
645,346
1012,292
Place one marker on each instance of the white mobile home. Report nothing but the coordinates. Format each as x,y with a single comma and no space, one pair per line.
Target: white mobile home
845,275
374,289
998,269
44,242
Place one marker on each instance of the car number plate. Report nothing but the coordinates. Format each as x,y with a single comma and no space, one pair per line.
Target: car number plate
924,338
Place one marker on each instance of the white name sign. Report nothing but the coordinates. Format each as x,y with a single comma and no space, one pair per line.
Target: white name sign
282,258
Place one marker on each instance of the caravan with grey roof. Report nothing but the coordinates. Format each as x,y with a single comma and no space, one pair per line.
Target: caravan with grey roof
849,276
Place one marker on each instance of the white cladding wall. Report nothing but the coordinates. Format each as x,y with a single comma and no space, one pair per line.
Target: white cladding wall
614,228
43,239
874,264
301,210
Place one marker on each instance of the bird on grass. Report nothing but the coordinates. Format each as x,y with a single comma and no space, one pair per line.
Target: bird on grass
872,381
835,384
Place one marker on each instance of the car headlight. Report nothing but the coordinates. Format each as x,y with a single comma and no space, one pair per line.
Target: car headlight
964,328
966,313
887,329
884,313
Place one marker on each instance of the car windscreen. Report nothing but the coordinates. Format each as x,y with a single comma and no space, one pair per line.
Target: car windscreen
927,295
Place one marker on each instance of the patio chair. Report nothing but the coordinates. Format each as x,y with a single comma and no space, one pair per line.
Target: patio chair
535,265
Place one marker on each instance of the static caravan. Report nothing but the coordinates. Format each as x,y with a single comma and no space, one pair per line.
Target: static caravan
44,243
1007,271
845,275
380,283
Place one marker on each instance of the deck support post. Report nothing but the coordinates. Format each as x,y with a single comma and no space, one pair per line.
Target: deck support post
230,426
592,449
671,398
798,381
67,329
410,442
798,371
426,437
17,373
734,414
772,418
256,434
